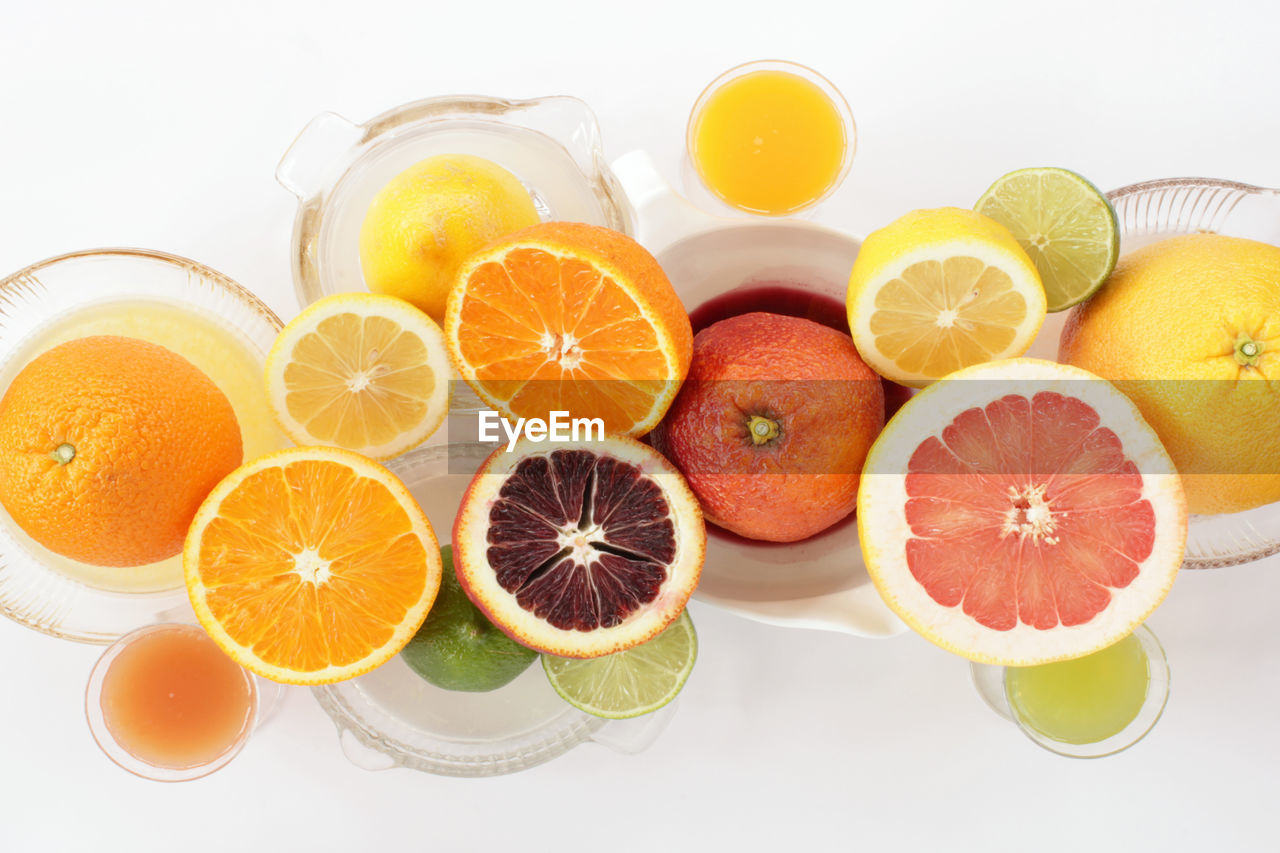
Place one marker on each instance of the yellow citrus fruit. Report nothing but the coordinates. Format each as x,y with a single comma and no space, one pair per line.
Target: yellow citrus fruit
572,317
311,565
939,290
430,217
1189,328
368,373
107,447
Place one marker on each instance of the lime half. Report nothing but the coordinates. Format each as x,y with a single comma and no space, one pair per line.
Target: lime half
632,682
1064,223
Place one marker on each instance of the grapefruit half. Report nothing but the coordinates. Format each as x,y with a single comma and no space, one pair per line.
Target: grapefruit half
579,549
1021,512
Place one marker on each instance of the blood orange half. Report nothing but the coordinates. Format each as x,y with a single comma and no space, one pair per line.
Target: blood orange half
579,550
1021,512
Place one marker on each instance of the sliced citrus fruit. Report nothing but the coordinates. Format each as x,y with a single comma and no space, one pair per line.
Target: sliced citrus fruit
311,565
579,550
1064,224
364,372
570,317
1020,513
628,683
939,290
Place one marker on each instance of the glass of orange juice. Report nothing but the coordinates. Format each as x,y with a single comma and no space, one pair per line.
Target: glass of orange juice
165,703
771,137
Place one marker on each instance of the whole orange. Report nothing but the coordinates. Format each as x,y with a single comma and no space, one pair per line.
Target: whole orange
108,445
773,424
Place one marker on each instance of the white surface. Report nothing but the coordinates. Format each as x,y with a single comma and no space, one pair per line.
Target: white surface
160,124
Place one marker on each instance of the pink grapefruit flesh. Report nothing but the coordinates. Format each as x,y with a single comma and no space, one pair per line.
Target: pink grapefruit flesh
1026,518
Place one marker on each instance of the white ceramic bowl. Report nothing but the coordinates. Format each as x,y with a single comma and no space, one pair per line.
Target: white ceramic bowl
820,582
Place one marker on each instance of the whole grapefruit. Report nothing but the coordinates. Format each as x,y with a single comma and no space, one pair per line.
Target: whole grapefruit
773,424
1189,329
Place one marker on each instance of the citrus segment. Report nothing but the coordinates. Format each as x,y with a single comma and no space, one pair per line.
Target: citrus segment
367,373
311,565
1036,516
939,290
566,316
580,550
1064,224
108,445
632,682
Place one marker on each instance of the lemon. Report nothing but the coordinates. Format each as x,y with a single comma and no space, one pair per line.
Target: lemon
1064,223
939,290
1189,329
629,683
430,217
364,372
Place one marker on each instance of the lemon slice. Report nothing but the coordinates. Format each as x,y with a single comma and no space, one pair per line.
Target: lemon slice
364,372
629,683
1064,223
940,290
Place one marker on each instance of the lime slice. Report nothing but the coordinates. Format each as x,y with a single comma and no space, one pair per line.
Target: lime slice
1066,226
628,683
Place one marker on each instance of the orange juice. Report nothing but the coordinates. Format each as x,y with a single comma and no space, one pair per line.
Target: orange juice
171,698
769,141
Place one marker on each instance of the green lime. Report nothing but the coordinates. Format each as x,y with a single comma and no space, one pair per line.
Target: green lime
629,683
1064,223
457,648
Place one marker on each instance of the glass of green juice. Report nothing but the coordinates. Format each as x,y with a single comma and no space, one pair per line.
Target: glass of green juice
1090,707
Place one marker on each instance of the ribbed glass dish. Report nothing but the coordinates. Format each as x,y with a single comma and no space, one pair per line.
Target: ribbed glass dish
392,718
335,167
1155,210
92,292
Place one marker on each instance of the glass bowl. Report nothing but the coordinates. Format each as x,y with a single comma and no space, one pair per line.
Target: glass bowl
393,718
93,292
820,582
1156,210
335,167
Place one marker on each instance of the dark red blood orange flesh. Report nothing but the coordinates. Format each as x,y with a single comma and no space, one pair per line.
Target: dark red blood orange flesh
581,541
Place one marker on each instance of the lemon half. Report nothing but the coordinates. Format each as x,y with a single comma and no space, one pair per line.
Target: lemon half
364,372
940,290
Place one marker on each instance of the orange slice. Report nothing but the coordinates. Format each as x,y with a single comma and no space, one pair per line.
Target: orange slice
311,565
569,317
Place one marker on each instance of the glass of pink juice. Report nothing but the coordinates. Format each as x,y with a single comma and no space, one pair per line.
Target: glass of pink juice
165,703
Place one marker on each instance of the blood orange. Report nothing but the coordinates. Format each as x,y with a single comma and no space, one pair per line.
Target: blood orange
1021,512
579,550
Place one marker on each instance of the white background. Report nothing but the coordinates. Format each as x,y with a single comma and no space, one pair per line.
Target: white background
160,124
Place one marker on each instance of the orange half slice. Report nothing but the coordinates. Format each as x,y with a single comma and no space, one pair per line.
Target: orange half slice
570,317
311,565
